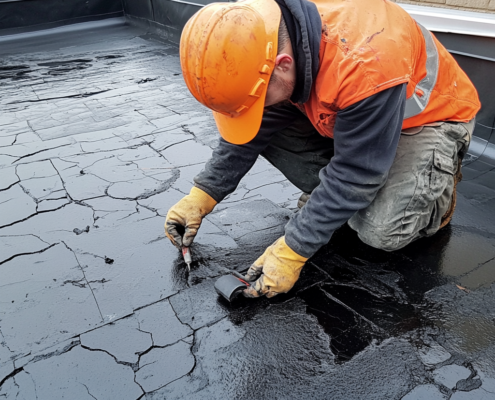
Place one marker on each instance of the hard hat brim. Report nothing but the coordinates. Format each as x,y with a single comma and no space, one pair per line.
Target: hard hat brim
243,128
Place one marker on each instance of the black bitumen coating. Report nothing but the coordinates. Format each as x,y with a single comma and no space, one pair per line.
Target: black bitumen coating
98,138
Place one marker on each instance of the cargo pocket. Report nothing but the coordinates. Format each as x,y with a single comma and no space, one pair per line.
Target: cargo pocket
442,175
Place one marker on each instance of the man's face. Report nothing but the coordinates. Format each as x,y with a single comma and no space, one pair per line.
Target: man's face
282,81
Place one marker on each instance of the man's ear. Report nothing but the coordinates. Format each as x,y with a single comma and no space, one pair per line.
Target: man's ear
284,62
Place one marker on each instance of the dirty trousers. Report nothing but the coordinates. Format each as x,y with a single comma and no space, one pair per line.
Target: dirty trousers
418,190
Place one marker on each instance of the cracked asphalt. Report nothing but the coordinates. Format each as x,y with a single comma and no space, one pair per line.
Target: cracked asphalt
98,138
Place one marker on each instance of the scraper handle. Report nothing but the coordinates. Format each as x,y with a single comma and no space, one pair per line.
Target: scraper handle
187,255
240,277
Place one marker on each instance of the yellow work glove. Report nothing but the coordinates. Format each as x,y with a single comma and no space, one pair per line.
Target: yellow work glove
185,217
276,271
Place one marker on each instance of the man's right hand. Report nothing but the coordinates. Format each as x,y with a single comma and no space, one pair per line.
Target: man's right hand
184,218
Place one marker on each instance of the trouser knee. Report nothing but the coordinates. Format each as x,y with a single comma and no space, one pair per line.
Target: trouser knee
381,238
419,189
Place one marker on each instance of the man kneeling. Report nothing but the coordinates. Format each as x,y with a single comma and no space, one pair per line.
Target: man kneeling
354,102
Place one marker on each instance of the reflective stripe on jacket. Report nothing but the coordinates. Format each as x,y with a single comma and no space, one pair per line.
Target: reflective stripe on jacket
368,46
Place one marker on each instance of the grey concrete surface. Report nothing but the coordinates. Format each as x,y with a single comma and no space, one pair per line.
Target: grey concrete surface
98,138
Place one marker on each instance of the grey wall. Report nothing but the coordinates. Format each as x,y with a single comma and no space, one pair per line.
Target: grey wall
167,16
476,56
139,9
25,15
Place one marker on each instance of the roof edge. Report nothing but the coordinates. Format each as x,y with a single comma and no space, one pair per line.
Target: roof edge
453,21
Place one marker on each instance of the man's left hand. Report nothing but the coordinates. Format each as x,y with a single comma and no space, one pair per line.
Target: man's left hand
276,271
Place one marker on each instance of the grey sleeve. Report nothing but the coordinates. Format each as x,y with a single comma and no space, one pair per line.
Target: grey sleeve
230,162
366,137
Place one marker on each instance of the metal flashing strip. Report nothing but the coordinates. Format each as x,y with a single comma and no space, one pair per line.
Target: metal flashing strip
461,53
74,27
453,21
482,150
187,2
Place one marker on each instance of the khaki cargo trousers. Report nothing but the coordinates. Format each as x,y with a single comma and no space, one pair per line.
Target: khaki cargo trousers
419,188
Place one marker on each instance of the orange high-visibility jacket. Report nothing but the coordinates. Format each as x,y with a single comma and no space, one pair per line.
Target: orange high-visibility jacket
371,45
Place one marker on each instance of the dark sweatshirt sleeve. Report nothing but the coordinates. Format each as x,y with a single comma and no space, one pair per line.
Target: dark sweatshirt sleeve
366,136
230,162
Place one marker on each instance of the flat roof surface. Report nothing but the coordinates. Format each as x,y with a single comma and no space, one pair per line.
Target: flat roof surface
99,137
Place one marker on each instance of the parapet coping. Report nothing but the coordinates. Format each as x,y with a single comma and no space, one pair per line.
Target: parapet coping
453,21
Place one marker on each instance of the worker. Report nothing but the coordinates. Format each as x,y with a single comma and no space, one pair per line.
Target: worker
357,104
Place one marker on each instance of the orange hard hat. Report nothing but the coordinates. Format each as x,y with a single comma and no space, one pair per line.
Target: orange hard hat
227,55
